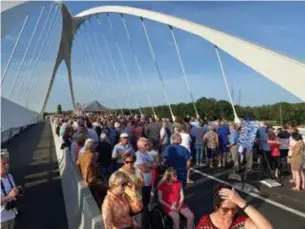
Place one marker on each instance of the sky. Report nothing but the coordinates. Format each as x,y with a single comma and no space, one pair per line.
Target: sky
279,26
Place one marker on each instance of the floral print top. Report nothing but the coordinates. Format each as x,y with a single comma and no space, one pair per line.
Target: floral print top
116,211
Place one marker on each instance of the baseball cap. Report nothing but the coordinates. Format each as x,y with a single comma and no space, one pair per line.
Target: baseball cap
124,135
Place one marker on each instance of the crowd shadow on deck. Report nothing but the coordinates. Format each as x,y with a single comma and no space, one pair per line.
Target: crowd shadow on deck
34,165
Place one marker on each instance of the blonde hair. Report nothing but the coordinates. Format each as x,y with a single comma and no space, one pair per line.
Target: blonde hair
166,176
118,178
89,143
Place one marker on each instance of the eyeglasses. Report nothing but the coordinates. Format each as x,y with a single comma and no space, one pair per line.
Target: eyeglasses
226,210
129,162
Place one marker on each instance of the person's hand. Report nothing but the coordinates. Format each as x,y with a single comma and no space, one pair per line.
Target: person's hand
133,188
232,195
174,208
13,193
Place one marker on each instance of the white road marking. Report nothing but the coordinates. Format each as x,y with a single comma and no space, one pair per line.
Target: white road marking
205,179
284,207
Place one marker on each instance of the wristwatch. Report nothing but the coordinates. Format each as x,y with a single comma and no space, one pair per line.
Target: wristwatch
244,207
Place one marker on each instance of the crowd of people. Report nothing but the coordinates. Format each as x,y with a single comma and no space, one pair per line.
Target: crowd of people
129,162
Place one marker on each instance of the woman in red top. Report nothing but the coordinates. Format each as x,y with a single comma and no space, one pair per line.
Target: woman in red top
226,202
274,157
171,197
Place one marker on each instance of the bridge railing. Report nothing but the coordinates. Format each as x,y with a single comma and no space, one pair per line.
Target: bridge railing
81,209
9,133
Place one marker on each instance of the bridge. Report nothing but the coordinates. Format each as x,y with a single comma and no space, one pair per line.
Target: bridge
47,35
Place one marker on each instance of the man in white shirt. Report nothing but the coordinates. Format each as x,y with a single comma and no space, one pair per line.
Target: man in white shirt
186,142
186,139
145,164
8,194
164,136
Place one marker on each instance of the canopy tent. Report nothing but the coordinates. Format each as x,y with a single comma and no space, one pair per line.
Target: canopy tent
93,106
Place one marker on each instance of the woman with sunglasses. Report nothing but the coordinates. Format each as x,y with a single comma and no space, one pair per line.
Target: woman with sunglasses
134,175
227,202
117,206
171,197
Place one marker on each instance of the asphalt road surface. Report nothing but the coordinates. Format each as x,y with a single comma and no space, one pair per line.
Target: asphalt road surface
282,206
33,164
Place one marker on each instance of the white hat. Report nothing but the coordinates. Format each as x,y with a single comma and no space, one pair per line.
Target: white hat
124,135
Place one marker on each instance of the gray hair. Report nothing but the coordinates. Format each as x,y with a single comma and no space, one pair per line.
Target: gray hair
175,137
142,139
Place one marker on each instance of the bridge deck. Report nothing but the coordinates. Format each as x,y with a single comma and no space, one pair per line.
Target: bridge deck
33,163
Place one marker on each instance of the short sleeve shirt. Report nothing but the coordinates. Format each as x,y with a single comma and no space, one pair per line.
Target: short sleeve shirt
144,158
6,214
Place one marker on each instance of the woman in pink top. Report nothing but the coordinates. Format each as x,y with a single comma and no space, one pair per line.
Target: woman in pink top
274,156
171,197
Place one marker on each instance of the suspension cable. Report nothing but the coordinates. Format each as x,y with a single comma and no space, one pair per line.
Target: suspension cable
35,49
25,54
138,65
14,49
50,82
44,82
114,68
124,65
183,69
93,74
157,67
96,57
226,83
36,70
83,66
105,66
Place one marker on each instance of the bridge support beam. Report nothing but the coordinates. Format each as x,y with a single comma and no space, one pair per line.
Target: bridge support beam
69,29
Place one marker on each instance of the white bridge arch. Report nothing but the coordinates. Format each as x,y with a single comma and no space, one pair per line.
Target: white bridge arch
282,70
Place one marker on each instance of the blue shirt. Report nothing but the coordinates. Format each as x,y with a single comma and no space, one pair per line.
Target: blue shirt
223,132
233,137
113,135
118,151
176,156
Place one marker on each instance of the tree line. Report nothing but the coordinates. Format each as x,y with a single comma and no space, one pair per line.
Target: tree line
212,109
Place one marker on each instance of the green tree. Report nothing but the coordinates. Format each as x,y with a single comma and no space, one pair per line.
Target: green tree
59,109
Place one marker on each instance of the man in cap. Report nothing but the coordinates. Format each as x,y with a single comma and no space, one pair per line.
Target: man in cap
120,148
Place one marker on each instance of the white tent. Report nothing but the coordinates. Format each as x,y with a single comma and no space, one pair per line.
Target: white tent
94,106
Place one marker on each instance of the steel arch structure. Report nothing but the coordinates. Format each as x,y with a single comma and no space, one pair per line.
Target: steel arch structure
282,70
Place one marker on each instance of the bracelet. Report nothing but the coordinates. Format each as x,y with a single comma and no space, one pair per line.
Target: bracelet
244,207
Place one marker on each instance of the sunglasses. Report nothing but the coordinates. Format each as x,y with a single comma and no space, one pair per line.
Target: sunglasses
226,210
129,162
124,185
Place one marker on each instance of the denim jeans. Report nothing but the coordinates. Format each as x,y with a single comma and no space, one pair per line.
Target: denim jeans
200,152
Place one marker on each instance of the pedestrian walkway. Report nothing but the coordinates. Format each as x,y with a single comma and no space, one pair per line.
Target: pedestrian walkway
33,164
